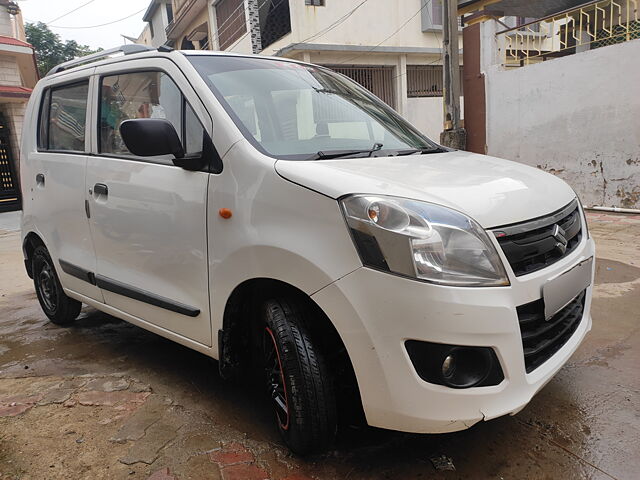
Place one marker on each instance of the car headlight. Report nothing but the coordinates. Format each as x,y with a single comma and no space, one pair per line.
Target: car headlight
422,240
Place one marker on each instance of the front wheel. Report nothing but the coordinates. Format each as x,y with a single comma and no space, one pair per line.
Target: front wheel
60,309
298,383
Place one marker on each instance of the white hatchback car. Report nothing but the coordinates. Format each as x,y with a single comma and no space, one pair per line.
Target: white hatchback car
276,216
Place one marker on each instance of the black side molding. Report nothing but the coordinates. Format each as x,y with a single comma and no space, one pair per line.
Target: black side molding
127,290
147,297
78,272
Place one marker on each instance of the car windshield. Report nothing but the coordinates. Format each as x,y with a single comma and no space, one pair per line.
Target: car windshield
300,112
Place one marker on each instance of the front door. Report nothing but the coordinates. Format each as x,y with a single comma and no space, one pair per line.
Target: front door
148,216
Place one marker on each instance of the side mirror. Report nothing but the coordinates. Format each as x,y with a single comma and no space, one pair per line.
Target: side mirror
148,137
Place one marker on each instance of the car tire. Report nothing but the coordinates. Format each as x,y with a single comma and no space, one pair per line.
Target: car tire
61,309
298,383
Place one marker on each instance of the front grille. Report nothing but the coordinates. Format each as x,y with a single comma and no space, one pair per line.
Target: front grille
542,338
535,244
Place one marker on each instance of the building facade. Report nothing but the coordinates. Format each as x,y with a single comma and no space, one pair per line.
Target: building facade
391,48
18,76
158,15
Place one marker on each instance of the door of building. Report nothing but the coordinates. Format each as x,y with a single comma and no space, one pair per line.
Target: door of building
9,186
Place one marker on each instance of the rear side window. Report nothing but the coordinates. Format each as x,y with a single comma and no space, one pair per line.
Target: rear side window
63,117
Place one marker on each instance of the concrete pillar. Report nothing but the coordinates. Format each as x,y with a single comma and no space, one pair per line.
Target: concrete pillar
214,44
6,25
401,85
489,48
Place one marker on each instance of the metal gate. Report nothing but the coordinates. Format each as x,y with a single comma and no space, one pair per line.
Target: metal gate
9,188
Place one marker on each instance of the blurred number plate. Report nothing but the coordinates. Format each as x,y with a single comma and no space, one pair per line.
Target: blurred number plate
557,293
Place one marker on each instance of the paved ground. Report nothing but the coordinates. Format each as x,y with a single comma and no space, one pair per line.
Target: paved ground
104,399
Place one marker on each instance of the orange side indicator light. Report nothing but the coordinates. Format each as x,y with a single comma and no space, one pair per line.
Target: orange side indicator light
225,213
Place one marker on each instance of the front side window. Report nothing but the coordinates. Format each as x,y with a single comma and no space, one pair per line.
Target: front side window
300,112
136,95
63,117
150,94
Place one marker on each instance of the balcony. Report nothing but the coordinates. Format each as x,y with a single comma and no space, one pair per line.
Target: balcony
592,25
184,12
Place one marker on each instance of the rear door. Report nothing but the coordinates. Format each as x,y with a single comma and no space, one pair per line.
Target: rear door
148,216
58,196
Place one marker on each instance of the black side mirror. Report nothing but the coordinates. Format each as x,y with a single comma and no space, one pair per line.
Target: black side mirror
148,137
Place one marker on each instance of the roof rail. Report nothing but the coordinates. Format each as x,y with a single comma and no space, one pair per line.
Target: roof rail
126,49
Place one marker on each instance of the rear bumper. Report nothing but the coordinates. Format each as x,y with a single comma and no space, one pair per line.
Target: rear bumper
375,313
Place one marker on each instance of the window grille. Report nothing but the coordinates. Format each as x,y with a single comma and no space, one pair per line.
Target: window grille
379,80
426,80
231,22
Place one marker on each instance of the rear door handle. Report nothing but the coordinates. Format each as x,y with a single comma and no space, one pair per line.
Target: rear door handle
40,179
101,189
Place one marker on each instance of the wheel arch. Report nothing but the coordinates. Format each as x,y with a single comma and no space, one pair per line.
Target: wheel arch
240,314
29,244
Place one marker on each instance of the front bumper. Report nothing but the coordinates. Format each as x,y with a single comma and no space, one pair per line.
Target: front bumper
376,312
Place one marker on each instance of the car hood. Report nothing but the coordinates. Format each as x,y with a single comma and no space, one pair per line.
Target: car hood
493,191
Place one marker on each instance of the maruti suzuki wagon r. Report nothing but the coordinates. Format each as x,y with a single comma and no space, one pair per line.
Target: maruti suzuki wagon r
278,217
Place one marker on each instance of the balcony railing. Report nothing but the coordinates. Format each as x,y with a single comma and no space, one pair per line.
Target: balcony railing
592,25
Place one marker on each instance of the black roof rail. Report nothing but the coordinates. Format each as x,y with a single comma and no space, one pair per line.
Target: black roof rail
94,57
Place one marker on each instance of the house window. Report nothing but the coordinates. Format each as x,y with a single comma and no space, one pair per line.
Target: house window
436,12
169,13
230,21
275,21
433,15
378,80
151,29
425,81
315,3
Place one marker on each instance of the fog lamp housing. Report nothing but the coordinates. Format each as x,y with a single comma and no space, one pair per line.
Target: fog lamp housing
455,366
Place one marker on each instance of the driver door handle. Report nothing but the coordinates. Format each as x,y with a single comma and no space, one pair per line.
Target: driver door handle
101,189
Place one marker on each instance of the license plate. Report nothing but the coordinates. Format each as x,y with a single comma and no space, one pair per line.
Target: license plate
559,291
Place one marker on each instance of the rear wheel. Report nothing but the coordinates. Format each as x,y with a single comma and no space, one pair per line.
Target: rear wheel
61,309
298,383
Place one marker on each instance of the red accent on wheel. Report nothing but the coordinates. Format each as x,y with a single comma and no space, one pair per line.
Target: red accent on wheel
284,384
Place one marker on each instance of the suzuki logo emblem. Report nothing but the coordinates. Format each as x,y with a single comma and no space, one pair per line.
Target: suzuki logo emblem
561,240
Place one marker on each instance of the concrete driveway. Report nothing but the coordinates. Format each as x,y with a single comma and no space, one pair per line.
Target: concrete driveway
104,399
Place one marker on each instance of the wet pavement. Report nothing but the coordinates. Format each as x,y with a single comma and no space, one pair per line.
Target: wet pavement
105,399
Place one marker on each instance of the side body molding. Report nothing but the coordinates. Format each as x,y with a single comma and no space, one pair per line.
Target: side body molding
128,290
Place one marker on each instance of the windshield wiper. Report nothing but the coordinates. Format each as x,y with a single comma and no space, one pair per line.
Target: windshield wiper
345,153
413,151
